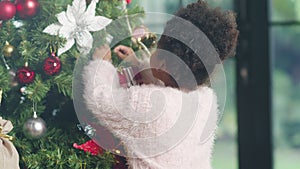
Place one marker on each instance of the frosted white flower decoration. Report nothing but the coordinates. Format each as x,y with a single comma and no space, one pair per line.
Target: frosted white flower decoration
76,24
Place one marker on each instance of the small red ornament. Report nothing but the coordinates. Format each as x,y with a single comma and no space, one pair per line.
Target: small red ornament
7,10
89,146
27,8
25,75
52,65
128,1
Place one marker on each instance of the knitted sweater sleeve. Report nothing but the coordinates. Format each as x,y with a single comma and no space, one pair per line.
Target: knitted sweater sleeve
139,111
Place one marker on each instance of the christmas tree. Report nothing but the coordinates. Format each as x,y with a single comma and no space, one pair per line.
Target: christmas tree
36,80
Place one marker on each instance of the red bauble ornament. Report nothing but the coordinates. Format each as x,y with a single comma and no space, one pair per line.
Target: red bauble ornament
128,1
27,8
52,65
7,10
25,75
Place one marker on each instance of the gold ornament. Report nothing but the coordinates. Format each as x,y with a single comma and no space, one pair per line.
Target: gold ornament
8,49
118,151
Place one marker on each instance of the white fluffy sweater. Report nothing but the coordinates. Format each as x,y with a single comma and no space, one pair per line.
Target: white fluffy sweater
160,127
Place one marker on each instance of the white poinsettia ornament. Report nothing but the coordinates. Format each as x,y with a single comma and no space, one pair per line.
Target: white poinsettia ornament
75,25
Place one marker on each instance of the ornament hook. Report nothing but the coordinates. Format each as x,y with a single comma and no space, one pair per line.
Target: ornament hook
53,49
34,108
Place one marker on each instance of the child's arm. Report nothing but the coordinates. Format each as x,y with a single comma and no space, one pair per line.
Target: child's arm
127,112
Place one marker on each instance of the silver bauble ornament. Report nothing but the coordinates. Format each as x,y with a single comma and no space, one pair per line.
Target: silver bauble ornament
34,128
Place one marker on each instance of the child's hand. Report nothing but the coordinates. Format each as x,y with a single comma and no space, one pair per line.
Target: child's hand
127,54
102,52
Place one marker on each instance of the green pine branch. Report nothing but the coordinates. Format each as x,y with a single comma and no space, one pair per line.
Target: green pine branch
38,90
63,82
55,149
4,79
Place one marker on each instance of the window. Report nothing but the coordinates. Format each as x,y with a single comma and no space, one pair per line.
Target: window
285,52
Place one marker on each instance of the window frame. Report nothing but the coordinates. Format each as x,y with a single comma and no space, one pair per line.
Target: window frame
254,101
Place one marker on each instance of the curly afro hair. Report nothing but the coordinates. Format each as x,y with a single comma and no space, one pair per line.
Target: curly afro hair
219,27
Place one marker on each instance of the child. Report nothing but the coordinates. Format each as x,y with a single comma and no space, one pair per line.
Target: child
160,122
